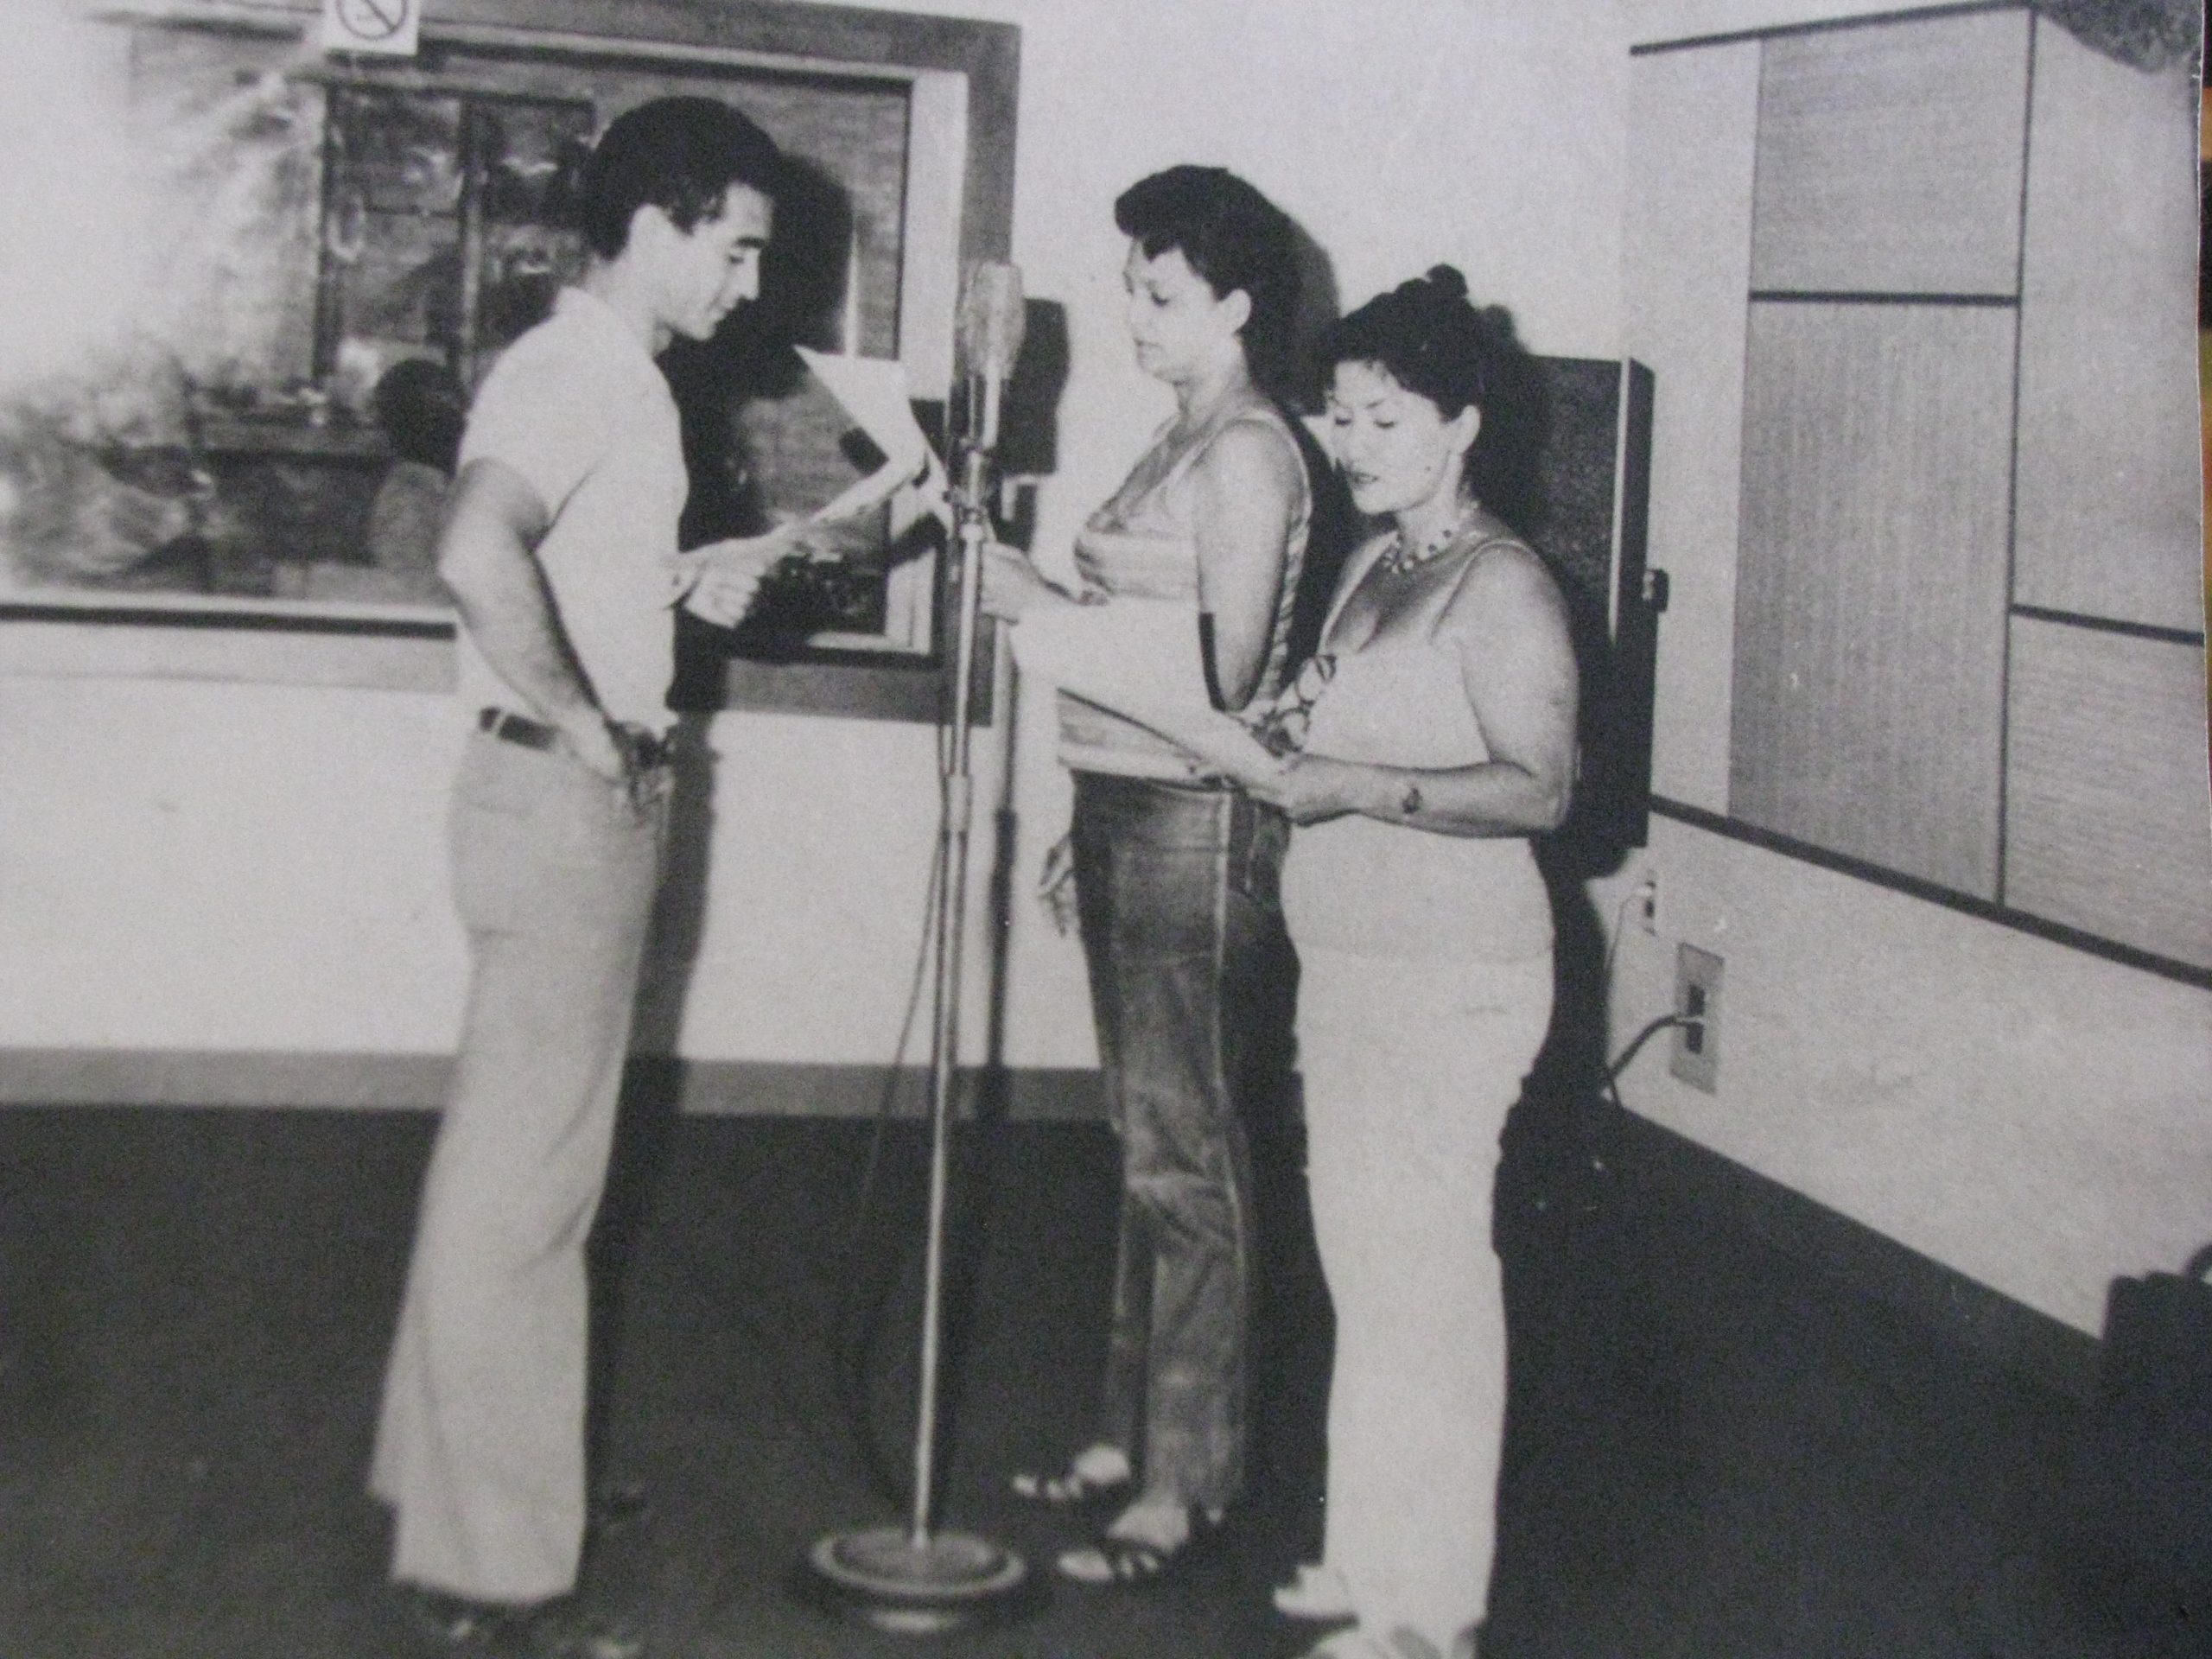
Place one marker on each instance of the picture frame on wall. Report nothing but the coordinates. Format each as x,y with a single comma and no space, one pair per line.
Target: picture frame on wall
247,439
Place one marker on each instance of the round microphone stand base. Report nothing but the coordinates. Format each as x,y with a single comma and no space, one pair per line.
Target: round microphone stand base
916,1585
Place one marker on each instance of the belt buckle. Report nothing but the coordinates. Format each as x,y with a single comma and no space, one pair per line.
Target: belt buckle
650,749
511,727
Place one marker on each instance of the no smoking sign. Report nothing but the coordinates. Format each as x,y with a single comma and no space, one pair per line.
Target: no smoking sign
388,27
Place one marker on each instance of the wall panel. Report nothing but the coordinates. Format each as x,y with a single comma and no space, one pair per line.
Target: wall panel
1688,249
2110,491
1870,602
2106,825
1889,157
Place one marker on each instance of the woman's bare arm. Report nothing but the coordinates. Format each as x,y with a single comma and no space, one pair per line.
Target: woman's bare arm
1245,488
1509,628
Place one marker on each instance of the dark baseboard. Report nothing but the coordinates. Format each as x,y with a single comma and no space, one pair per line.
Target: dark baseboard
2016,1336
86,1077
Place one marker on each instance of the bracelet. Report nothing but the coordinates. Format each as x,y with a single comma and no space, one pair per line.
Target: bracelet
1410,804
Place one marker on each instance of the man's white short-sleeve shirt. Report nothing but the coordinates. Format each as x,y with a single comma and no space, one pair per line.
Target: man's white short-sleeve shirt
579,409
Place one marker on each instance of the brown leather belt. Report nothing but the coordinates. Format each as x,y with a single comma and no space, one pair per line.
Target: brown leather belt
650,749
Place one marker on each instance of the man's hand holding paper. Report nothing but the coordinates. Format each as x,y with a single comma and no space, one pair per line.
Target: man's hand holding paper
716,582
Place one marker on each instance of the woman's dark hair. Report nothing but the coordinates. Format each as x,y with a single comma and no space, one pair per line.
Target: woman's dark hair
1233,237
680,154
1427,335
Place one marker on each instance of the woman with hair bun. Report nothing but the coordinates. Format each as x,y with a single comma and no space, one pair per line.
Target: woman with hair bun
1432,737
1417,753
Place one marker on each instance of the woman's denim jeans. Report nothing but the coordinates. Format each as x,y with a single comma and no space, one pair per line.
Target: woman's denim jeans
1177,890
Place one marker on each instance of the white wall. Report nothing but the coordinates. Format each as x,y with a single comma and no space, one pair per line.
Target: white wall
2029,1114
203,865
209,867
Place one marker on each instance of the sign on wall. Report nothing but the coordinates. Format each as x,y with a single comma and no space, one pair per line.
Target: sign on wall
389,28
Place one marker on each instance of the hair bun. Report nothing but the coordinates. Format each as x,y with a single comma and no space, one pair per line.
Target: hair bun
1448,283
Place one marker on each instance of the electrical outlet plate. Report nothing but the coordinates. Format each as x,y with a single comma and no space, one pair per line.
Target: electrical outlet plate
1696,1060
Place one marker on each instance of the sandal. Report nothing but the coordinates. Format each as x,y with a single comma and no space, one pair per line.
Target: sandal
1317,1592
1403,1643
1075,1488
562,1628
616,1506
1132,1562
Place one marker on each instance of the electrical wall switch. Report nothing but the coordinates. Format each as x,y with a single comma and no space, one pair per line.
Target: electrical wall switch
1696,1058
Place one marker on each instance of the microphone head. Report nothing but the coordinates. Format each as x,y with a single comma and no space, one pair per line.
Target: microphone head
991,320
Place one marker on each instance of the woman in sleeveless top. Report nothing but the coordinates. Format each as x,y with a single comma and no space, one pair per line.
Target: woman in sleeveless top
1432,737
1175,871
1419,749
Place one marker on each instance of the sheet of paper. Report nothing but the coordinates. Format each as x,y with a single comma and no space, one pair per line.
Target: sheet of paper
873,392
1142,658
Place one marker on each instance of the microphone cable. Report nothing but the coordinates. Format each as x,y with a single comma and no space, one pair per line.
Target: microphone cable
855,1326
852,1327
839,1319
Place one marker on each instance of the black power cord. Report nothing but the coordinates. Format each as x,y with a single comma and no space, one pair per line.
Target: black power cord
1650,1030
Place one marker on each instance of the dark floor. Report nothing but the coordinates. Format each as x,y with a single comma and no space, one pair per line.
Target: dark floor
1712,1454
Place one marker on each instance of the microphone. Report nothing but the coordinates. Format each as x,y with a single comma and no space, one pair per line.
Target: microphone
991,324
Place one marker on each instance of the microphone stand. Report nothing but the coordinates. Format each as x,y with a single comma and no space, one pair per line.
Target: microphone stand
921,1581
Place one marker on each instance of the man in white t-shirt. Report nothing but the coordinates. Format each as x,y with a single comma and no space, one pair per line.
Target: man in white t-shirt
560,548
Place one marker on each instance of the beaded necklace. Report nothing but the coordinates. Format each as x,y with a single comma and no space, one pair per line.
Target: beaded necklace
1400,558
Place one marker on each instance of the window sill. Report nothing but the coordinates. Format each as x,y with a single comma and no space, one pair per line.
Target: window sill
411,648
380,648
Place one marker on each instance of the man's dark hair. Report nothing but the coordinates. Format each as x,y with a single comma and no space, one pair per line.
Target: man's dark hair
1233,237
680,154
